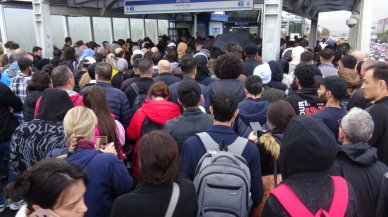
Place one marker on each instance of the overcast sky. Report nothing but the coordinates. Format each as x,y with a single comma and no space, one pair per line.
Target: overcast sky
336,21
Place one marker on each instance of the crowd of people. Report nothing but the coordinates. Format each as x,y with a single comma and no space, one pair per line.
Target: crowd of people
183,128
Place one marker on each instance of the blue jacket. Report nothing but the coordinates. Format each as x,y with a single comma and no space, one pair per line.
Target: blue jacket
204,91
108,178
118,103
9,74
193,150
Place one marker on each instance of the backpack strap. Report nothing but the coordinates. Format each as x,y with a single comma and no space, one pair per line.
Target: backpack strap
340,200
135,88
290,202
173,200
208,142
238,146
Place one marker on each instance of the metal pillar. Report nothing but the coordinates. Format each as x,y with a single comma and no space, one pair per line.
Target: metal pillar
42,23
360,34
313,33
195,28
272,29
3,27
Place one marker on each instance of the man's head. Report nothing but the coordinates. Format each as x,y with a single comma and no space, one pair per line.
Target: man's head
62,78
224,106
25,65
228,66
145,68
296,52
327,55
156,57
307,57
136,66
14,46
119,52
376,82
37,51
253,85
103,72
359,55
348,61
92,71
304,74
332,88
189,94
164,66
19,54
68,41
356,126
251,51
188,65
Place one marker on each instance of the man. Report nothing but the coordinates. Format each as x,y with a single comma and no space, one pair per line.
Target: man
327,67
253,109
307,57
224,110
250,63
269,93
192,120
9,103
375,87
117,100
63,79
79,73
165,74
68,42
155,58
359,55
305,100
37,55
307,152
135,75
189,70
348,62
296,52
13,70
142,85
122,64
19,83
357,162
331,90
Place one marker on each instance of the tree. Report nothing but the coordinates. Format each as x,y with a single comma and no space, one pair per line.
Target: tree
325,32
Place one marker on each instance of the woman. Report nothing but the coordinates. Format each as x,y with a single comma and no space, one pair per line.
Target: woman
33,140
228,69
159,159
279,115
69,57
153,114
203,75
38,83
95,99
50,187
108,177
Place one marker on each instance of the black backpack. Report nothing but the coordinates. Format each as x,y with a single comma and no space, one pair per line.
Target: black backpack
139,100
148,125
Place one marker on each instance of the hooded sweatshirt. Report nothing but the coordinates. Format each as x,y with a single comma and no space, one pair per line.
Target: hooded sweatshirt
9,74
159,112
358,164
305,101
308,151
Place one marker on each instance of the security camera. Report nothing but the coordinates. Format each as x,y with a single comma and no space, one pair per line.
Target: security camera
352,21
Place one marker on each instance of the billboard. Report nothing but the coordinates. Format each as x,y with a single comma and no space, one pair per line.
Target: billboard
182,6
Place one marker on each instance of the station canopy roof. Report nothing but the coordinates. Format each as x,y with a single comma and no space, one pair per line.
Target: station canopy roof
305,8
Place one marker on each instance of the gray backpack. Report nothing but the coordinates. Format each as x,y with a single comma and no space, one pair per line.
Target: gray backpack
223,180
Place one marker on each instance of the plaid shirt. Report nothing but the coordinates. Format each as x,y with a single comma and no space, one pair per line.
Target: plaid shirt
19,86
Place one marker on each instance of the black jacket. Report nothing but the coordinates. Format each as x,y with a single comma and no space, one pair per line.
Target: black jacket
30,103
249,66
308,150
272,94
153,200
305,101
167,78
7,120
379,113
143,84
358,164
192,121
268,147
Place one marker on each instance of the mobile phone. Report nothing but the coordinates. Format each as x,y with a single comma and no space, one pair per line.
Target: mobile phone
44,213
101,141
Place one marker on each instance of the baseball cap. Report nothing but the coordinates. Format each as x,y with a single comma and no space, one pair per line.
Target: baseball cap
251,49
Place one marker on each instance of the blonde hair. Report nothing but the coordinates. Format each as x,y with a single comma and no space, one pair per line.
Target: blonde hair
111,59
85,79
79,123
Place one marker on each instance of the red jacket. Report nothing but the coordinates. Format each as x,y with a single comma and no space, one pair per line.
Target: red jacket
77,100
158,111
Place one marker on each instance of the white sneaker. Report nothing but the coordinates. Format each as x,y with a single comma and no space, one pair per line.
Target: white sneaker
5,205
16,205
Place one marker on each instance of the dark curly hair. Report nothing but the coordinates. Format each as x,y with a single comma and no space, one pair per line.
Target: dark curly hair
228,66
305,74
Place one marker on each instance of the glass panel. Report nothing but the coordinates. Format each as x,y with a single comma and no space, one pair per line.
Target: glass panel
162,27
151,29
58,30
102,29
137,29
21,31
80,29
121,28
